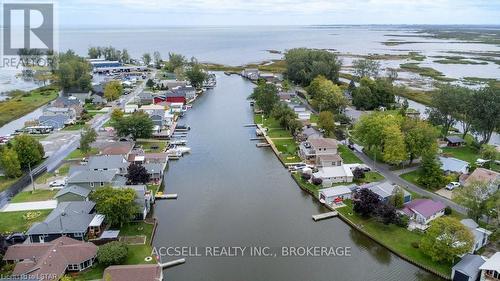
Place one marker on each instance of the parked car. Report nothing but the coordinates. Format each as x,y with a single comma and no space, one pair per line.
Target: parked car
15,238
452,185
57,184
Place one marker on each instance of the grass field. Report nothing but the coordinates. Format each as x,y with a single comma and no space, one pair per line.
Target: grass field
74,127
397,238
6,182
412,177
152,147
77,154
371,177
15,222
22,103
425,71
278,133
38,195
348,156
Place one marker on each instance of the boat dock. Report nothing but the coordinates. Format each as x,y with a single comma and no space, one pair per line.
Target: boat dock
166,196
249,125
325,216
263,144
258,139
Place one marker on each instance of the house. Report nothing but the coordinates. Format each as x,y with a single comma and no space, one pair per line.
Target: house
454,165
385,190
118,148
330,160
158,117
483,175
91,179
189,92
423,211
98,100
454,141
141,272
140,158
309,132
313,148
54,121
175,96
286,96
50,261
72,193
77,220
131,108
480,234
467,269
108,162
490,270
251,73
335,195
145,98
82,97
304,115
170,84
69,102
331,175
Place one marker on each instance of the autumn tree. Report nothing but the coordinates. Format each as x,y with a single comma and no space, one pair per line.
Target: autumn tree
326,122
394,151
113,90
326,95
419,137
446,239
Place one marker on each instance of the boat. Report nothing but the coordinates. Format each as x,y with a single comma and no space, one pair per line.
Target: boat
182,128
178,142
176,151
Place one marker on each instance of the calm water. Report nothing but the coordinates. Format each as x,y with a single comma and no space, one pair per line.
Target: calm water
234,194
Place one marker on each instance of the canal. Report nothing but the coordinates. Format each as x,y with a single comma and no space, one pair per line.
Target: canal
234,194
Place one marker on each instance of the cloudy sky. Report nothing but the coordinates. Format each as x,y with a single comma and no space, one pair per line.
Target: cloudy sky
276,12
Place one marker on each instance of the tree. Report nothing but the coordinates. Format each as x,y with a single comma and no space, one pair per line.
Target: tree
446,239
303,65
404,107
116,114
397,198
386,213
372,94
473,196
74,72
489,152
118,205
431,175
265,96
137,174
9,162
87,137
394,151
366,202
150,83
392,74
358,174
138,125
196,75
445,102
486,112
465,110
419,137
371,129
29,151
366,68
113,90
157,59
175,61
94,53
125,58
112,253
146,58
326,95
326,122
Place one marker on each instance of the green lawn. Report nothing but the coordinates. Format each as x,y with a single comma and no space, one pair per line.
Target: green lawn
371,177
278,133
137,253
412,176
465,153
94,273
397,238
152,146
307,185
314,118
62,171
348,156
15,222
6,182
38,195
288,149
77,154
23,103
269,122
153,188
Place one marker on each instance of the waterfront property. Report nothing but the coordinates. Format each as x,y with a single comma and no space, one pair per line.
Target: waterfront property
51,260
334,174
336,195
312,149
454,141
422,211
77,220
489,177
385,190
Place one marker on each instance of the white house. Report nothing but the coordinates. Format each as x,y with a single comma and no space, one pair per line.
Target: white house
423,211
480,234
335,194
454,165
490,270
335,174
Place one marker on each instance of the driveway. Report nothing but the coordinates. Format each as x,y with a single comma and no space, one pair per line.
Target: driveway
445,193
30,206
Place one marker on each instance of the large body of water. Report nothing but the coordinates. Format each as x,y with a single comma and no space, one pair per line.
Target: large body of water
234,194
242,44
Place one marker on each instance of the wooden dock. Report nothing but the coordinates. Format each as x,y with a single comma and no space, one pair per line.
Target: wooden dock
250,125
263,144
258,139
325,216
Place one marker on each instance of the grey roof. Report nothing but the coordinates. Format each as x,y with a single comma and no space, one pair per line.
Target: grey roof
57,109
140,193
469,264
68,217
56,121
452,164
455,139
74,189
107,162
383,189
154,167
470,223
158,112
172,93
68,101
87,176
145,95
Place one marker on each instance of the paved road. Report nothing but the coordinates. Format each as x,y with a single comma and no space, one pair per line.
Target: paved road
391,176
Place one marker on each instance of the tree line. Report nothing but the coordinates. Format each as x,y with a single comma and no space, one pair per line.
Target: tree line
21,153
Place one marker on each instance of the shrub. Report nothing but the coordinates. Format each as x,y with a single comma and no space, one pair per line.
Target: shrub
415,244
317,181
402,221
447,210
112,253
306,176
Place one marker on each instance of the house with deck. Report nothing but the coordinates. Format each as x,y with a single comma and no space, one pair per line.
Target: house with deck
385,190
336,195
422,211
312,149
332,175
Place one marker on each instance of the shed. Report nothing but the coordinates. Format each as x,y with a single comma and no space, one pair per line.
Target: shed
454,141
467,269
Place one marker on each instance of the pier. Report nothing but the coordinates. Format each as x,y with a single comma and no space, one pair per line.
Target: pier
160,196
325,216
263,144
172,263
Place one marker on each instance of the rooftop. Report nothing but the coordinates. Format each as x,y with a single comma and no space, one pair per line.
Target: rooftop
452,164
425,207
492,263
323,143
469,264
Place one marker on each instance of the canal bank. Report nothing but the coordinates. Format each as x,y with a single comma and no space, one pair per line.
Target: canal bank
232,193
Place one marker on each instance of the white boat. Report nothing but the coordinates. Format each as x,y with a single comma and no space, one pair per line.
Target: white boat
178,151
178,142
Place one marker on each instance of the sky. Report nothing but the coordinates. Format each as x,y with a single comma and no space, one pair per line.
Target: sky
275,12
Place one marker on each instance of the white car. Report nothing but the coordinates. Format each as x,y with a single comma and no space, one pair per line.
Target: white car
57,184
452,185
